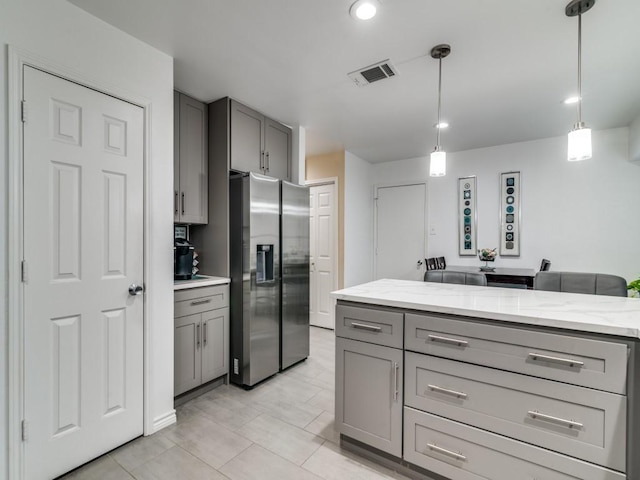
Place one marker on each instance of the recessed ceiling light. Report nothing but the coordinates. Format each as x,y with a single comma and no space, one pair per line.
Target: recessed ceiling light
441,125
364,9
571,100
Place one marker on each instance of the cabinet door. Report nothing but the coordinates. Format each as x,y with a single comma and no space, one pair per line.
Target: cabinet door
176,156
247,139
186,341
277,146
369,394
215,338
193,161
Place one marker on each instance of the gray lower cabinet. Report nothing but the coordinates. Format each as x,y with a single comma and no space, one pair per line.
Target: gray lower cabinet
485,399
187,354
201,337
369,394
190,157
369,376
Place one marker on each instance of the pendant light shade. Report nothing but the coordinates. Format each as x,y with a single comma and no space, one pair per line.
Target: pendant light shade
579,147
579,141
438,160
438,163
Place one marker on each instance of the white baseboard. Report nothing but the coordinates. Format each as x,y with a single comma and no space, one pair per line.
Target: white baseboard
163,421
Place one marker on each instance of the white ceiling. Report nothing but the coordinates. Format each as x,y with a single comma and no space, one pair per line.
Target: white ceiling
511,66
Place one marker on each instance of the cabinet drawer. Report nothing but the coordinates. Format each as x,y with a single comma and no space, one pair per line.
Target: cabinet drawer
202,299
579,361
584,423
382,327
466,453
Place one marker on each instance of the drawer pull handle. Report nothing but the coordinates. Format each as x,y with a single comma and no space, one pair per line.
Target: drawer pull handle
363,326
446,452
201,302
452,341
563,361
436,388
562,421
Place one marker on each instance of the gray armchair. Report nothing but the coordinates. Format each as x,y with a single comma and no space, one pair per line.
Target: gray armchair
461,278
574,282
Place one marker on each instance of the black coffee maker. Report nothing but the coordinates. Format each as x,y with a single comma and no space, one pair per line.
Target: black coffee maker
182,259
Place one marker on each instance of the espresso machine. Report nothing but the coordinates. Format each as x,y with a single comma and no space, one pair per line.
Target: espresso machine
182,259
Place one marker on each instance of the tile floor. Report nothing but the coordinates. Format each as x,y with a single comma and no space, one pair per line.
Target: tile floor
280,430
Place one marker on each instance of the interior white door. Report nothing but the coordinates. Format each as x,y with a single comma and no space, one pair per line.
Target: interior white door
83,246
400,231
323,273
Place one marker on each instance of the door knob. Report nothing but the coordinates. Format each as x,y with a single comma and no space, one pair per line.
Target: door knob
419,264
135,289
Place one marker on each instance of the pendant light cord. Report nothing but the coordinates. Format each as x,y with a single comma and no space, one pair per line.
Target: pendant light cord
579,68
439,100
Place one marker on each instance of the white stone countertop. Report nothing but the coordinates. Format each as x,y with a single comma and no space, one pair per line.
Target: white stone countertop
585,313
200,281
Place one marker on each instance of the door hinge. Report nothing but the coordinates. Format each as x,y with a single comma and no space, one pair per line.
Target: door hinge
24,272
25,430
23,111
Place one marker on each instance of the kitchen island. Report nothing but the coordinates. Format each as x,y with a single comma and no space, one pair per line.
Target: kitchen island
467,382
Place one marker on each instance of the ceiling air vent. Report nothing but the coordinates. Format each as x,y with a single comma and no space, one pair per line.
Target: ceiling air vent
373,73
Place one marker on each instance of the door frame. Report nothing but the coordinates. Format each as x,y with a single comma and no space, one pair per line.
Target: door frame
378,186
19,58
317,182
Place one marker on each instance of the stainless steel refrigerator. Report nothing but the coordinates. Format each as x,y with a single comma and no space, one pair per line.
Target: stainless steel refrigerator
260,338
294,241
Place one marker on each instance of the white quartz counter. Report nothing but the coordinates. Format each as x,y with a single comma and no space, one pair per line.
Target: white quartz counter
586,313
200,281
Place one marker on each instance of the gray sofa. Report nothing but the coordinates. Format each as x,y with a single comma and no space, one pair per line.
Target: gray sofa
461,278
574,282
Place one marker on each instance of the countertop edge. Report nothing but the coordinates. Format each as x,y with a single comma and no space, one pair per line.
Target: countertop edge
200,282
515,318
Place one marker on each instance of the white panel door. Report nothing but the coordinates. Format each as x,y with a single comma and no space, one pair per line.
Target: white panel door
400,231
323,273
83,244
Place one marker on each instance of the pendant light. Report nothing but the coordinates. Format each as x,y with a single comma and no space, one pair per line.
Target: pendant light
579,145
438,163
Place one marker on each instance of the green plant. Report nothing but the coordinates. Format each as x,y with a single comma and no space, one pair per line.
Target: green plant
635,287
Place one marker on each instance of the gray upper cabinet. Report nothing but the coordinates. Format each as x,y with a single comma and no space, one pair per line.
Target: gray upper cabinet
258,143
277,146
190,160
176,157
247,139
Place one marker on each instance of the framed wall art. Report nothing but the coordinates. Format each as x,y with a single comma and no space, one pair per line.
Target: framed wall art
467,216
510,214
